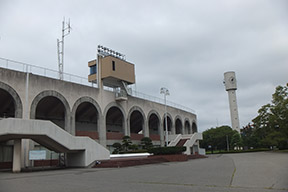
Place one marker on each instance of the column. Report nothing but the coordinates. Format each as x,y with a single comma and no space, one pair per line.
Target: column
17,156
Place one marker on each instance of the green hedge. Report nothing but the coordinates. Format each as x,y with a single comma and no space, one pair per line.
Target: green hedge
239,151
167,150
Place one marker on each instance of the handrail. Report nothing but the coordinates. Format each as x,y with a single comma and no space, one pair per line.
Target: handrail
174,140
161,101
54,74
28,68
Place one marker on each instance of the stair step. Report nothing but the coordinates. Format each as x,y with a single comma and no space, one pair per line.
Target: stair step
181,142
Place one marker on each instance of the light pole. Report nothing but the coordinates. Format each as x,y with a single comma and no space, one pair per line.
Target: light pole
165,92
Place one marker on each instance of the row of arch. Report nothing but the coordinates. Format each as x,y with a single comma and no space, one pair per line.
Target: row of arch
86,117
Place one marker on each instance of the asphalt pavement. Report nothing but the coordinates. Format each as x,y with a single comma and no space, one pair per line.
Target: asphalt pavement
247,172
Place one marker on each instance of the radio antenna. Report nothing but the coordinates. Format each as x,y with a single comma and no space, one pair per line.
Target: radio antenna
60,47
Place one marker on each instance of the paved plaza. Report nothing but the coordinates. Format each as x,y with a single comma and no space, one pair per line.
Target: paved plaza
247,172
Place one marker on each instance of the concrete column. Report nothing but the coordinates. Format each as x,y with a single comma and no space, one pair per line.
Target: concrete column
183,130
146,128
126,127
68,125
102,130
173,128
17,156
161,130
26,146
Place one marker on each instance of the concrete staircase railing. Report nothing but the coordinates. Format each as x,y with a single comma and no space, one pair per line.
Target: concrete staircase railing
191,140
174,139
81,151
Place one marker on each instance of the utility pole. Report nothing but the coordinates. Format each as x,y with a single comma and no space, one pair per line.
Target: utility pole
165,92
60,47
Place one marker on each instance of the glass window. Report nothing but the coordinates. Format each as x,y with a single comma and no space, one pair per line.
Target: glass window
93,69
113,65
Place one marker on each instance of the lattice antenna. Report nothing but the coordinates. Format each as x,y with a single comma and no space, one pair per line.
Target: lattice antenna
60,47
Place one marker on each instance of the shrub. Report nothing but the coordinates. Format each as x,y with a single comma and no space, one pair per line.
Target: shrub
117,148
167,150
146,143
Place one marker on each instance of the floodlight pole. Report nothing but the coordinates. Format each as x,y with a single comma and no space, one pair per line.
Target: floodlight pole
165,91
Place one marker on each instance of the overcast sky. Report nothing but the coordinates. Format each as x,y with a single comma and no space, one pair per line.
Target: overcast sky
183,45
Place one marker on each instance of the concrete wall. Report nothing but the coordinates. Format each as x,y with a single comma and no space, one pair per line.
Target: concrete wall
30,89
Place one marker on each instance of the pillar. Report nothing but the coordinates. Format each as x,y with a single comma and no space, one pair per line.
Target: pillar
17,156
102,130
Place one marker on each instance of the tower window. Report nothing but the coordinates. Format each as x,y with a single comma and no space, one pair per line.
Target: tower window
93,69
113,65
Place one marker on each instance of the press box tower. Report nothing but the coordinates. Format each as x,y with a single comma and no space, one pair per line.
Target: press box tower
111,69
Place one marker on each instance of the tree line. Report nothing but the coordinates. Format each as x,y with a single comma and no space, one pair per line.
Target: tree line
268,129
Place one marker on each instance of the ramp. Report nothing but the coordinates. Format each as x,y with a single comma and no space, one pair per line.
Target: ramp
81,151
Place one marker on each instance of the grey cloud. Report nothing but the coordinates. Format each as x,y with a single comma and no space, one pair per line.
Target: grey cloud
184,45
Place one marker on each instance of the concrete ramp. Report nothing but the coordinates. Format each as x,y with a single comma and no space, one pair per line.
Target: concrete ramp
81,151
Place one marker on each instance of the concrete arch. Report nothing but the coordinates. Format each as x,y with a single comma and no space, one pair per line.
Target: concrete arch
187,126
154,135
143,123
75,107
172,123
154,112
124,122
114,104
194,127
16,98
136,108
60,97
178,125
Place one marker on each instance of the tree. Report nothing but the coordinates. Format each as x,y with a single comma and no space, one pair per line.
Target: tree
271,124
236,140
146,143
249,138
217,138
126,143
117,148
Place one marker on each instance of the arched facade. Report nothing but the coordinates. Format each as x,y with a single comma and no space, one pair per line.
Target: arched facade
187,127
154,124
48,98
194,127
136,123
114,117
10,102
178,125
85,117
169,123
51,105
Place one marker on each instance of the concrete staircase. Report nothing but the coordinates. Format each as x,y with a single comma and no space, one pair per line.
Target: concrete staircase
81,151
189,141
181,142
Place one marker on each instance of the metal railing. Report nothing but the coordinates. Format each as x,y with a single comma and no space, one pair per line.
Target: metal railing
161,101
54,74
28,68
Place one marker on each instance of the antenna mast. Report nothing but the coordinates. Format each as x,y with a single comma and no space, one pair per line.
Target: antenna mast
60,47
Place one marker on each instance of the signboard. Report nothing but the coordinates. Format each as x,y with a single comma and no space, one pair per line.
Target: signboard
37,155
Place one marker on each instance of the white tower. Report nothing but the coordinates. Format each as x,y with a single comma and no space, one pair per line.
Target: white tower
231,87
